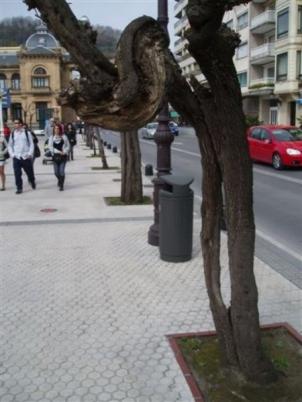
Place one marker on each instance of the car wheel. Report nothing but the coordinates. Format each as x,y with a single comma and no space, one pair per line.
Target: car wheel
277,162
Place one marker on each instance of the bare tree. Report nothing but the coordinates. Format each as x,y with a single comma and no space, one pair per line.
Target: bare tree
125,96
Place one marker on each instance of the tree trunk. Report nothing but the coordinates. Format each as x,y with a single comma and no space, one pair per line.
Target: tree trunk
131,188
101,147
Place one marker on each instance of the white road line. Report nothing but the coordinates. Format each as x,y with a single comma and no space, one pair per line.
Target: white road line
279,245
275,243
277,176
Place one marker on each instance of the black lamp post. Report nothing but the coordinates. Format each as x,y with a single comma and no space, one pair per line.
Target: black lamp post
163,139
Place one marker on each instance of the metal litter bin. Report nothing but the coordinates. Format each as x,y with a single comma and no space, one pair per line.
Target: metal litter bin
176,219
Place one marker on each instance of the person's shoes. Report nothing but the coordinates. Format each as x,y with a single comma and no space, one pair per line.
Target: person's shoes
61,188
19,191
33,185
2,189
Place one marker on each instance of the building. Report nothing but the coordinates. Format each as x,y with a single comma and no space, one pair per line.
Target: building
34,74
268,60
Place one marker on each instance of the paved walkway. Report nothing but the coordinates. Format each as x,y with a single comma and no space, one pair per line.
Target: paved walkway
85,302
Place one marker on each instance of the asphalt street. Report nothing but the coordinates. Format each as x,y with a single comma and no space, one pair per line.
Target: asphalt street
277,200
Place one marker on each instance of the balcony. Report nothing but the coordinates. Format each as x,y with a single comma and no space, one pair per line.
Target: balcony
179,44
178,6
263,22
262,86
180,24
263,54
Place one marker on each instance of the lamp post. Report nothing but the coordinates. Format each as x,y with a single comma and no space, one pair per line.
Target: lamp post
163,139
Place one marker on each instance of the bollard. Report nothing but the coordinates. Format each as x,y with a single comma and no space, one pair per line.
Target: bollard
108,146
105,143
148,170
114,150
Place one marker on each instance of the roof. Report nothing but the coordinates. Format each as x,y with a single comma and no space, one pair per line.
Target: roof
40,50
41,38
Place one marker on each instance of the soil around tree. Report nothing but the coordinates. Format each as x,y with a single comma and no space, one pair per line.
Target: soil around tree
116,201
200,359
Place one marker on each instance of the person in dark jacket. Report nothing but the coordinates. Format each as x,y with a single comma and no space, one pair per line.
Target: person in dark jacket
70,132
59,147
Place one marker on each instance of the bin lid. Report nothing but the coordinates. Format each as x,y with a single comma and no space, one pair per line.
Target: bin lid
180,184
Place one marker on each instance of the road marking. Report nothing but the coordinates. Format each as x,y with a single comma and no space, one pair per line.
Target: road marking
279,245
275,243
271,174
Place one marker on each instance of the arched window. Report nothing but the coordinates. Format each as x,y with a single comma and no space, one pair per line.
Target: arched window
16,84
40,78
2,82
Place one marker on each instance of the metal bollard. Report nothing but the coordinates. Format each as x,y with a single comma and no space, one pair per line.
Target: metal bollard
104,143
108,146
114,150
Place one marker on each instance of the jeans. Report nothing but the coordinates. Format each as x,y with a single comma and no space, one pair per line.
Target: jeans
59,168
27,166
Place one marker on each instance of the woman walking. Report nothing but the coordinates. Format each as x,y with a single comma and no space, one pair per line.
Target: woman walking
59,148
3,152
70,131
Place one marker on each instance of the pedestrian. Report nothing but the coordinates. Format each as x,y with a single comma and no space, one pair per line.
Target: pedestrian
3,152
6,131
59,148
48,130
21,150
70,132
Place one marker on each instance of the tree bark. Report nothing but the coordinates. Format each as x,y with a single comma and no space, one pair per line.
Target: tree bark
132,187
101,148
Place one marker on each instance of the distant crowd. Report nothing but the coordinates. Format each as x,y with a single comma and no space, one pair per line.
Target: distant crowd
21,145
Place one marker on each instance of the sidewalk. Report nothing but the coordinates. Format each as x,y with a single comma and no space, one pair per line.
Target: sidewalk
85,302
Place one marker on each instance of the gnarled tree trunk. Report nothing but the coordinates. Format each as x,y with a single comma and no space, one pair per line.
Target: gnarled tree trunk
132,187
101,147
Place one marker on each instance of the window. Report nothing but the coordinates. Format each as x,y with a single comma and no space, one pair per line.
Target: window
2,82
299,19
242,78
264,135
282,24
299,65
242,50
256,133
242,21
273,115
282,67
16,111
229,24
16,81
40,78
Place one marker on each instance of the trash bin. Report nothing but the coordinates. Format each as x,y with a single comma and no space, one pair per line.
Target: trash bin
176,219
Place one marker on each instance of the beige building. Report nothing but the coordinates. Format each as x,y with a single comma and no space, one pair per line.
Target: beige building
268,61
34,74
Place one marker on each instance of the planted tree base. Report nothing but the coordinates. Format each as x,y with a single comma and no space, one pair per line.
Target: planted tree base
199,358
114,201
102,168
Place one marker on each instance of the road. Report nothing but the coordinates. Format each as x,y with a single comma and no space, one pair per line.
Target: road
277,201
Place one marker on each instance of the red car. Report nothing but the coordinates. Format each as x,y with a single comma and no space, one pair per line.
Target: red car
277,145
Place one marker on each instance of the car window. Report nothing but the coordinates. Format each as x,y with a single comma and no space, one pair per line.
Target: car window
284,135
152,125
296,133
264,135
256,133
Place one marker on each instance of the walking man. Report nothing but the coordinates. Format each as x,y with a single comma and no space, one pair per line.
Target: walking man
21,150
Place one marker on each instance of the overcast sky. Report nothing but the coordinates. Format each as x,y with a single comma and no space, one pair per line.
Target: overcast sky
114,13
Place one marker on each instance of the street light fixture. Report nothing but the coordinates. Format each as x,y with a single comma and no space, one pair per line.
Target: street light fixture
163,139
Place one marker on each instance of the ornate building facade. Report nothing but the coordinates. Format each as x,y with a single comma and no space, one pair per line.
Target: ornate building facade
33,75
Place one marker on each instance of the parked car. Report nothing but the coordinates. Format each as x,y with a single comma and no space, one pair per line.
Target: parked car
39,132
277,145
149,130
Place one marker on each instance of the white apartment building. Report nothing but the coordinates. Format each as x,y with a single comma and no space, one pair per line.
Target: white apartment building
268,60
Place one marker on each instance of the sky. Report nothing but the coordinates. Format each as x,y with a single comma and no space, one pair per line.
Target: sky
114,13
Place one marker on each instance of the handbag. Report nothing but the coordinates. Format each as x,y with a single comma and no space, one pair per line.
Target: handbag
37,152
58,158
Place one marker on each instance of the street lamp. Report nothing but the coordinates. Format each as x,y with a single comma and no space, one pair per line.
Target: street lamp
163,139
